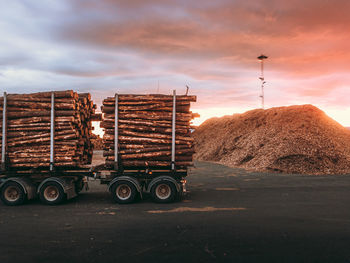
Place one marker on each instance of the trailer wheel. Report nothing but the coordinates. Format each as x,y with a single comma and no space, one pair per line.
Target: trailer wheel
12,194
123,192
52,193
163,192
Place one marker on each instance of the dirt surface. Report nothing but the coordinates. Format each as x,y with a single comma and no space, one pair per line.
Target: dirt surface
229,215
295,139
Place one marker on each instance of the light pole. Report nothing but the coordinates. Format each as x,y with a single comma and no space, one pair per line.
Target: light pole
261,59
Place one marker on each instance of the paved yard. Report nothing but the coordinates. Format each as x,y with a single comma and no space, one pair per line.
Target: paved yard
229,215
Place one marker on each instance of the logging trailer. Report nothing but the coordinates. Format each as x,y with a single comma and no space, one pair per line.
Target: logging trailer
53,184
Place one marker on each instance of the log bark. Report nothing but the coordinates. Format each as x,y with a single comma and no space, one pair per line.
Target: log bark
153,164
29,121
38,113
162,107
144,140
147,129
58,94
152,98
43,164
129,149
146,154
148,135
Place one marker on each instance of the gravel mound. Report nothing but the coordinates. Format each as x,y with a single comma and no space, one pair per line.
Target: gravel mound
295,139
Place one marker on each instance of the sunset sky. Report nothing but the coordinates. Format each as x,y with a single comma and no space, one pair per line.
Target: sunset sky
135,46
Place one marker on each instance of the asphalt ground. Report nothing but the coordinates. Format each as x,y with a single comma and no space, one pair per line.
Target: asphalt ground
229,215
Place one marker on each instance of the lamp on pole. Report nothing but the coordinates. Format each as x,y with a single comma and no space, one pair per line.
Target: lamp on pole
261,58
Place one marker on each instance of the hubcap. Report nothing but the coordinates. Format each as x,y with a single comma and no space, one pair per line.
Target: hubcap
12,193
123,192
163,191
51,193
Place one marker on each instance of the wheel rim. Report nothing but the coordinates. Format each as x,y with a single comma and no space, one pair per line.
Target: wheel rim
51,193
163,191
123,192
12,193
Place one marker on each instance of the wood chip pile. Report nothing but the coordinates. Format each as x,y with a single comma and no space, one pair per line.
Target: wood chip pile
28,129
144,130
296,139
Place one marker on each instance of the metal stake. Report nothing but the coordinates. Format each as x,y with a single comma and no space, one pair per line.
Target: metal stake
4,129
262,96
173,132
52,132
116,133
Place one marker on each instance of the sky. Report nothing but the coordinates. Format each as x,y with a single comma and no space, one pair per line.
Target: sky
137,46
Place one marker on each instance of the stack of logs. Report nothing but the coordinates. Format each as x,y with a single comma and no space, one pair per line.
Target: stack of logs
28,129
145,130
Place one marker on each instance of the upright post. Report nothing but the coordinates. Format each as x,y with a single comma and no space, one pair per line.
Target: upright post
116,133
173,132
4,130
261,58
262,85
52,132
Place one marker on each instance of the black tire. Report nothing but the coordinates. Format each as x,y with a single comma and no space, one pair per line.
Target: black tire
52,193
163,192
12,194
123,192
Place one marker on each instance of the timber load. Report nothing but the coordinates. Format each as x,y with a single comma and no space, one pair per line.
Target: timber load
32,135
144,126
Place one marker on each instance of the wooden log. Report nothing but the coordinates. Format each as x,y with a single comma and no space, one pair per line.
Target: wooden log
124,158
85,95
42,135
140,140
151,97
110,152
40,105
147,135
16,155
29,127
39,99
14,133
150,154
148,123
42,159
42,149
58,94
31,120
41,128
43,164
154,107
109,146
155,115
140,128
109,123
41,139
150,164
37,113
